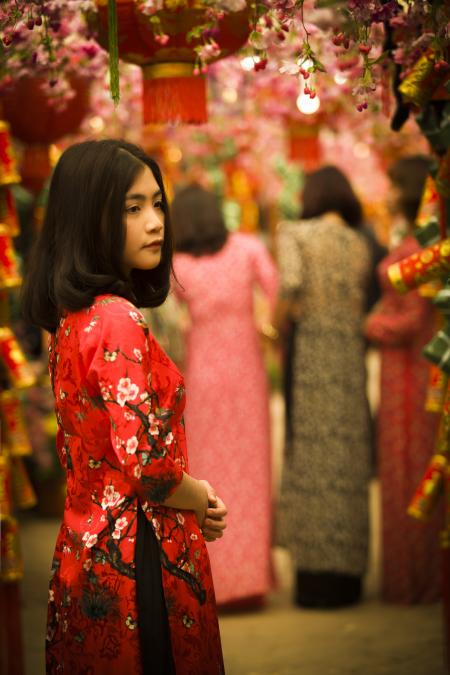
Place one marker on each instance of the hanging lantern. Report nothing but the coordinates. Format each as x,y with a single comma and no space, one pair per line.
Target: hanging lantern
38,123
304,143
174,86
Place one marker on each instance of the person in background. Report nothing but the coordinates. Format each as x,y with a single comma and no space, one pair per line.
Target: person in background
227,415
131,589
401,325
325,267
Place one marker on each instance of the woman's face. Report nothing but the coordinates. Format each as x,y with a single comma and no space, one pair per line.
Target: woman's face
144,223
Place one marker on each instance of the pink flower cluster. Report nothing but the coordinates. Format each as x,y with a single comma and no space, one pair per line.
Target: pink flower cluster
49,39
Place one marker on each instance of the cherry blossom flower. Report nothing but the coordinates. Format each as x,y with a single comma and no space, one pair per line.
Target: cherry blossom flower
111,497
132,445
126,391
89,539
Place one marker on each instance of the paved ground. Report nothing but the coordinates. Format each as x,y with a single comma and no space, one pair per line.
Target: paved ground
370,639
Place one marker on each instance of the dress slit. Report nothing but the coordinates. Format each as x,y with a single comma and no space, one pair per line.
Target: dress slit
153,623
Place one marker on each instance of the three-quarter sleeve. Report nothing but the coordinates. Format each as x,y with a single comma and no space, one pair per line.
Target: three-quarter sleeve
120,366
289,259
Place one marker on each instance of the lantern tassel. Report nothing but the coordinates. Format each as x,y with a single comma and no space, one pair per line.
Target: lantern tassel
113,48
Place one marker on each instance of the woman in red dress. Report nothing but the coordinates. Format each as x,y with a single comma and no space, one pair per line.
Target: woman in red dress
131,589
401,325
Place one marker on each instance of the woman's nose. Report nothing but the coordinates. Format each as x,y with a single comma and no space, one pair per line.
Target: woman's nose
154,223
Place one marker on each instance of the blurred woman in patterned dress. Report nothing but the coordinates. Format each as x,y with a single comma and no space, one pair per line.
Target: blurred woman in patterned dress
325,269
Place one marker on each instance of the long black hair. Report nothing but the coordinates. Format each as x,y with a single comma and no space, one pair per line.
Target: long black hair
78,253
328,189
198,223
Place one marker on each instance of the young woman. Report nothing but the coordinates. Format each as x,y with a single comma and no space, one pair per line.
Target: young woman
131,589
226,375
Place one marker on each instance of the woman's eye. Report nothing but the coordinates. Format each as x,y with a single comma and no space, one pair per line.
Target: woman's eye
158,205
133,209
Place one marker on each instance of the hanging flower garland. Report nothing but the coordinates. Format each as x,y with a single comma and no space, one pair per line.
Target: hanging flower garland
48,39
370,42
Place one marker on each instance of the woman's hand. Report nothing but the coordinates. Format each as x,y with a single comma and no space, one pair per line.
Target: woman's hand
207,495
215,521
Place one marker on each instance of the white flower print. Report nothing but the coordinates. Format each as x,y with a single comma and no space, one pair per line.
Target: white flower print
110,356
92,324
154,430
194,537
111,497
180,518
132,445
134,315
121,523
87,564
126,391
137,471
105,392
138,354
129,416
51,596
169,438
156,528
116,534
89,539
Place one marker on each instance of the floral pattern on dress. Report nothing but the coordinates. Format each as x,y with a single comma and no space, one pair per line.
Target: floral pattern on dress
121,440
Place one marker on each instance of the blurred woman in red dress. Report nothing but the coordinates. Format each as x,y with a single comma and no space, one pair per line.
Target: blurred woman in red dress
401,325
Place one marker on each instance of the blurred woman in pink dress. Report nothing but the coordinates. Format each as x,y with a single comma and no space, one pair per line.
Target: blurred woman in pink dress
227,415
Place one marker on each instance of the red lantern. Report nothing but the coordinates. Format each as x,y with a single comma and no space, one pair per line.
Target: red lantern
171,90
304,143
37,123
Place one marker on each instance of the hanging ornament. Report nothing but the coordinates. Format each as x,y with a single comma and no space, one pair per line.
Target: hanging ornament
173,46
38,122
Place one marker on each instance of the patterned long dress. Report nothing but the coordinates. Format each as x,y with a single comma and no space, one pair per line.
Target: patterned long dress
402,325
323,517
121,440
227,413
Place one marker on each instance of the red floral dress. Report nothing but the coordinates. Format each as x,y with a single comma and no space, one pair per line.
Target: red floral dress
121,440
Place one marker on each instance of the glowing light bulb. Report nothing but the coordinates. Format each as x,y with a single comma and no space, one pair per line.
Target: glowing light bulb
306,65
248,62
229,95
340,79
308,105
96,123
174,154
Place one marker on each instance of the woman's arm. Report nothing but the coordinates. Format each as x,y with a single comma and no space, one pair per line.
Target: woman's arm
191,494
397,324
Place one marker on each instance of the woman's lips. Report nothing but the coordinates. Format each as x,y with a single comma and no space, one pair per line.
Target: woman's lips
154,244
